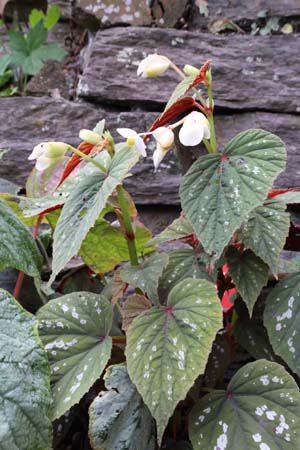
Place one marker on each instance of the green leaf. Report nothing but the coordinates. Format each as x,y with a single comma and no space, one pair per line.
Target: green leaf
51,51
184,263
35,17
168,347
289,197
52,17
180,90
281,318
146,275
218,362
266,230
17,247
85,204
249,274
9,187
17,42
105,246
6,77
289,262
4,63
178,229
75,331
31,64
118,418
36,37
251,333
24,381
220,190
259,411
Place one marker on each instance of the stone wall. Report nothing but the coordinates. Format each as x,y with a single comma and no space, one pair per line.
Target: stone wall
256,79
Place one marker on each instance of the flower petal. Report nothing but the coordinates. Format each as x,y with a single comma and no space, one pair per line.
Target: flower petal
191,133
158,156
140,145
164,136
126,132
37,151
43,163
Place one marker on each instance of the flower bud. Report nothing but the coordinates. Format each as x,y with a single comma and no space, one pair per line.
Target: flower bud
195,127
48,153
158,155
153,65
164,137
190,70
89,136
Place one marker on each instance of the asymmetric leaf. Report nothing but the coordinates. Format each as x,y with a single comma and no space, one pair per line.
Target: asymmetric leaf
168,347
24,381
75,331
183,263
17,246
146,275
266,230
85,204
220,190
249,273
259,411
118,418
105,246
134,305
178,229
281,318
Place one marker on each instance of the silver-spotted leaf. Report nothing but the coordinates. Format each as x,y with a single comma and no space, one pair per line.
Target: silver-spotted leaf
220,190
118,418
218,362
168,347
281,318
146,275
249,274
183,263
178,229
75,330
85,204
259,411
24,381
17,246
266,230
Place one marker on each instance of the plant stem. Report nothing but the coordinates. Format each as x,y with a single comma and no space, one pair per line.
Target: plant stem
129,233
87,158
210,117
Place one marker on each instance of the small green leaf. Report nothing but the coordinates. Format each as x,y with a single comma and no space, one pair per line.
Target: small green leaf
259,411
168,347
52,17
266,230
17,42
118,418
281,318
105,246
4,63
146,275
220,190
75,331
52,51
36,37
24,381
35,17
17,246
85,204
178,229
249,274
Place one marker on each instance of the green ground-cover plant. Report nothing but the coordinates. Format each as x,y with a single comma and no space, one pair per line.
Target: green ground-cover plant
194,348
28,50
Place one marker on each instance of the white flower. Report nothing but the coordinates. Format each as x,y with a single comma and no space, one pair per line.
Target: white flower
165,139
153,65
89,136
47,154
195,127
133,138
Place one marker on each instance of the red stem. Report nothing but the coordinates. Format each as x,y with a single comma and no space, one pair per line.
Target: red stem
20,279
